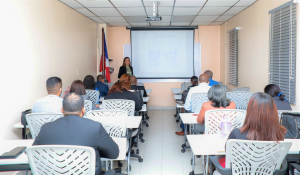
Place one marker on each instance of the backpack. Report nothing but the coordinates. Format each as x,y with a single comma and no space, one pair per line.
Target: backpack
23,116
291,121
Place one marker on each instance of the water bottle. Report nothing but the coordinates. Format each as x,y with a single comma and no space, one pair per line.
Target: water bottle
225,126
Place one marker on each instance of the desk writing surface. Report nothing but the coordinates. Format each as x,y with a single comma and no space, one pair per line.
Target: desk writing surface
148,91
20,126
177,97
176,90
146,99
188,118
133,121
179,106
101,99
144,108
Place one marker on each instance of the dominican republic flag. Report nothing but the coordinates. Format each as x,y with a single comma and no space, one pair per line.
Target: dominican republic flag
106,63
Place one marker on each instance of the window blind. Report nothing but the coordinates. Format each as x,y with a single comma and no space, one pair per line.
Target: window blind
233,57
282,50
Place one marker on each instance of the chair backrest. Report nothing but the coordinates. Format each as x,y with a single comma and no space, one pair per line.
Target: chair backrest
197,100
240,99
255,157
284,111
213,119
246,89
120,104
225,87
61,159
114,121
36,120
185,85
88,106
94,95
109,84
220,83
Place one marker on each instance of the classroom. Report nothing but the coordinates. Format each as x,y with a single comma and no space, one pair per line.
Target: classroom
149,87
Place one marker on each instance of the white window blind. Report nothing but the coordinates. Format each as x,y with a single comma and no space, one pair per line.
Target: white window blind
233,57
282,50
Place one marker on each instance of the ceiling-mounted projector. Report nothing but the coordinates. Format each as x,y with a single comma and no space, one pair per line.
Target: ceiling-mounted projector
155,16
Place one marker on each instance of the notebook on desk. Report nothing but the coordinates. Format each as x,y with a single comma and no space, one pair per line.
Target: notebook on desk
14,153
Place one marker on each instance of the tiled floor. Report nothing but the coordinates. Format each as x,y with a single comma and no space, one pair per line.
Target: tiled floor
161,150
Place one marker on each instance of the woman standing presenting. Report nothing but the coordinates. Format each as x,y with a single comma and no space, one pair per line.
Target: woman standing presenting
126,68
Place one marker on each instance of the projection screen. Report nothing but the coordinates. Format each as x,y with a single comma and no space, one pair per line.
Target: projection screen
162,54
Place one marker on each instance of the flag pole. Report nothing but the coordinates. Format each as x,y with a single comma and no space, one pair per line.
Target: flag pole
103,56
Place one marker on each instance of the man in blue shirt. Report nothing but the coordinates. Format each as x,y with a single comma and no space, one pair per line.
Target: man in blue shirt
103,88
210,75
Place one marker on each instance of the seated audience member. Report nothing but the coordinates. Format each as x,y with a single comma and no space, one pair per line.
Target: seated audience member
102,88
134,86
89,82
120,91
210,75
217,100
201,88
72,129
194,81
77,87
280,101
260,122
51,103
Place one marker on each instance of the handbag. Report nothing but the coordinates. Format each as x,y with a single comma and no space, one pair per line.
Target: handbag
23,116
291,121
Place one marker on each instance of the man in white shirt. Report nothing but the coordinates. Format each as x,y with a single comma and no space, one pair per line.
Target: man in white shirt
51,103
201,88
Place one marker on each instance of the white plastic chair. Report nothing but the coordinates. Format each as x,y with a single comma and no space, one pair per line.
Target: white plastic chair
36,120
119,104
197,100
94,95
61,159
185,85
253,157
88,106
240,99
213,119
244,89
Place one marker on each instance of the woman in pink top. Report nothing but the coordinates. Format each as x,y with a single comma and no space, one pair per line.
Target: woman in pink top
217,100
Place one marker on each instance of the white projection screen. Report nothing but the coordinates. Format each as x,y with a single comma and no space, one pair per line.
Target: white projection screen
162,54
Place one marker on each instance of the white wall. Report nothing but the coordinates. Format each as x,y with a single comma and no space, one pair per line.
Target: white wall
40,39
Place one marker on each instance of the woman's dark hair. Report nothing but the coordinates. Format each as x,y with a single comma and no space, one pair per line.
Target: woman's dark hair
124,65
217,94
125,79
117,87
89,82
77,86
274,90
262,119
194,80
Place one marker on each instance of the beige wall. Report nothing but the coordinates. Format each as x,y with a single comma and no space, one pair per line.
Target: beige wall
39,39
161,94
253,44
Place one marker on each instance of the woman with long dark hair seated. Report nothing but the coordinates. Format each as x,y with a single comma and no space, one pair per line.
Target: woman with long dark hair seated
261,122
89,82
280,100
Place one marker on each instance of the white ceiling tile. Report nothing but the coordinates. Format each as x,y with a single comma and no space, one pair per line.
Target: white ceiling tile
85,12
163,3
132,11
115,24
160,23
161,11
186,10
201,22
97,19
189,3
180,23
140,24
234,10
183,19
72,3
217,23
213,10
127,3
95,3
205,18
105,11
113,19
245,2
225,18
220,3
135,19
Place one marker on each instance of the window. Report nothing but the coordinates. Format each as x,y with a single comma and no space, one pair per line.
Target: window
233,57
282,50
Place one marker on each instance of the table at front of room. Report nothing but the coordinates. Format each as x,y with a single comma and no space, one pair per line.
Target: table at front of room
208,145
